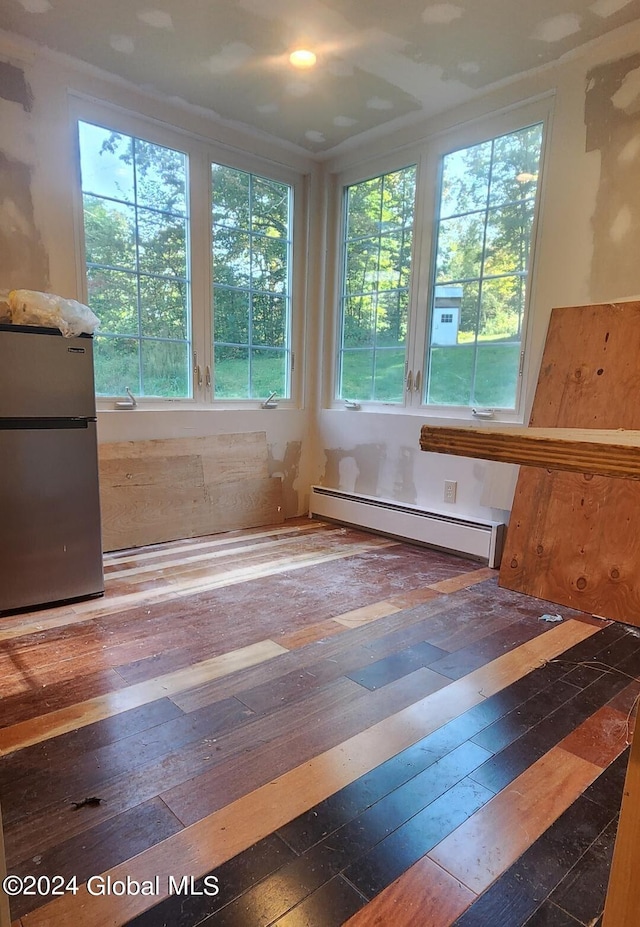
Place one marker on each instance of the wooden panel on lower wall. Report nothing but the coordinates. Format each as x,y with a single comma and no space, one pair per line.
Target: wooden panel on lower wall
572,537
163,490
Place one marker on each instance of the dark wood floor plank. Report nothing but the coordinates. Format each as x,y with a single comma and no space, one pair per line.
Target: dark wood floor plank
90,772
582,892
464,661
550,915
393,855
330,906
200,796
276,895
517,722
608,787
98,848
507,764
234,877
382,800
384,671
70,747
225,761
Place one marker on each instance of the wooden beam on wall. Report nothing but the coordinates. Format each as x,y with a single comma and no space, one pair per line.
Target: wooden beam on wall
606,452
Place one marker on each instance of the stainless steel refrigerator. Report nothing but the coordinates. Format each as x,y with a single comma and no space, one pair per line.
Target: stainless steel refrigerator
50,539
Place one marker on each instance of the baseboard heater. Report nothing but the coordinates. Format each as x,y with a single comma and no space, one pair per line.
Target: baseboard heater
475,538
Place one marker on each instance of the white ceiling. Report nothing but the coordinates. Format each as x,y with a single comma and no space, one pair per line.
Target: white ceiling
379,62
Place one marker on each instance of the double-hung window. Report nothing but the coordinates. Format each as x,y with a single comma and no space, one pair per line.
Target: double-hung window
136,232
252,247
376,260
189,307
435,274
483,244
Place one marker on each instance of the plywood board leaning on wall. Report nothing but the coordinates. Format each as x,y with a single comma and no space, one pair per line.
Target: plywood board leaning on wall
573,537
163,490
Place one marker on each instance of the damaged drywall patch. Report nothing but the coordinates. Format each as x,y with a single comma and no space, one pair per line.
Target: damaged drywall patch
441,13
159,19
231,57
23,259
630,151
14,86
612,119
404,487
606,8
288,468
621,225
627,97
123,44
35,6
354,470
558,27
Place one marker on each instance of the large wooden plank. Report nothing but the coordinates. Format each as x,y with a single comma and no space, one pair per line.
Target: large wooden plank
623,895
228,457
572,537
605,452
154,491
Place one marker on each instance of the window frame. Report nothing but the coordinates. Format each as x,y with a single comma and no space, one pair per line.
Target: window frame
428,155
201,152
340,288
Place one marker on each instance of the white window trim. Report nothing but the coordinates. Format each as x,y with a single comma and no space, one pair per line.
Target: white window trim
202,152
427,154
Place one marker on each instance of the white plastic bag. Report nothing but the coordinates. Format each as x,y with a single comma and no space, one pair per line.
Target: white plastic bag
28,307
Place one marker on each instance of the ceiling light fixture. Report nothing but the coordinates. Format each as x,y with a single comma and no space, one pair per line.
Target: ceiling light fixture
302,58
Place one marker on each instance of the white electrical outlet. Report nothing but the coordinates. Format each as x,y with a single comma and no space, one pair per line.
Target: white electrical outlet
450,489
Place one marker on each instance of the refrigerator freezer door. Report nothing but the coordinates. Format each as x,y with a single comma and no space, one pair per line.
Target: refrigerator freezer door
45,375
50,544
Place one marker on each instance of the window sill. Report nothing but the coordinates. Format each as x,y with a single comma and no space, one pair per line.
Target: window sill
107,407
445,415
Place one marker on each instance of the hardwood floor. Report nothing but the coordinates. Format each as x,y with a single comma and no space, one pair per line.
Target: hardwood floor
336,727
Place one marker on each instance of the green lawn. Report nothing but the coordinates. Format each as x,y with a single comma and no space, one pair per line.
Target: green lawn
450,379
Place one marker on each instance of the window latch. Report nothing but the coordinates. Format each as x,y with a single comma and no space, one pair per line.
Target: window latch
208,376
197,373
409,381
416,382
